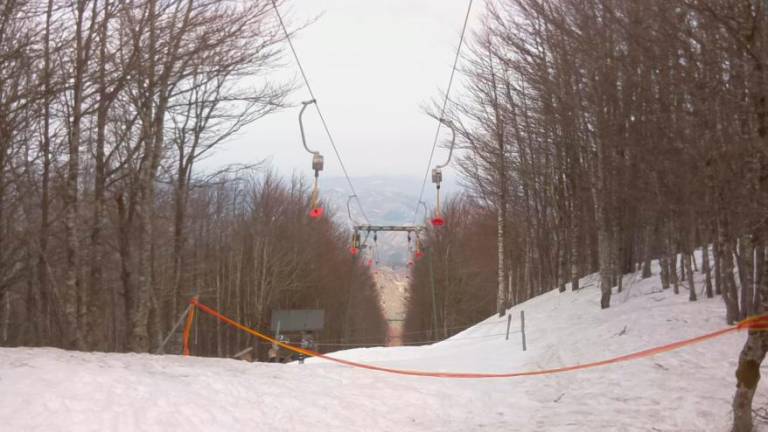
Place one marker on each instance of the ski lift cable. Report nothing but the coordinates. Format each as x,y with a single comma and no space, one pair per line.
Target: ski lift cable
319,112
424,205
442,110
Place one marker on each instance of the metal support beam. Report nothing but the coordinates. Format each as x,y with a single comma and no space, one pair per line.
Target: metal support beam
397,228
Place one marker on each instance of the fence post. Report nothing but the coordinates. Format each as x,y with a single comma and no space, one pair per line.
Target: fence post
509,322
522,327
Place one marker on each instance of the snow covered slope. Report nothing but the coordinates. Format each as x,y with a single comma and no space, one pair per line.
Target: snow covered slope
686,390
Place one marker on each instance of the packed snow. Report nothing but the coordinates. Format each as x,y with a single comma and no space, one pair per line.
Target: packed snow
45,389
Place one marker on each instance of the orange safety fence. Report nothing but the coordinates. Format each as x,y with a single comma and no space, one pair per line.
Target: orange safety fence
752,323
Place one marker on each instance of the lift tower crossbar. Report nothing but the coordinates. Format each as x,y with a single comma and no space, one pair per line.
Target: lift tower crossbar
396,228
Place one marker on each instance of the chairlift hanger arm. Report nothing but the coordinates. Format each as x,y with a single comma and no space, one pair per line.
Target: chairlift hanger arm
305,104
397,228
349,209
453,142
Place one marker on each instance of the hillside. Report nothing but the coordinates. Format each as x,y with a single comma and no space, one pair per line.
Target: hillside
685,390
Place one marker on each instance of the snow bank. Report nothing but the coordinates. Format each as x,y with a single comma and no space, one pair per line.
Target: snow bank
686,390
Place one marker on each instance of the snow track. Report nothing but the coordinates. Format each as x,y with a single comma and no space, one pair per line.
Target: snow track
47,389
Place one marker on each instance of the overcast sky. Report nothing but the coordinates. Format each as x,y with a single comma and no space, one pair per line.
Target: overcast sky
372,66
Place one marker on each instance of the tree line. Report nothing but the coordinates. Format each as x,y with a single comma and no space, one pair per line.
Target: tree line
106,226
599,135
453,284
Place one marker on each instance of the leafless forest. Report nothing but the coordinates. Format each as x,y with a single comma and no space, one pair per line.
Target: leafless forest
106,228
600,135
595,136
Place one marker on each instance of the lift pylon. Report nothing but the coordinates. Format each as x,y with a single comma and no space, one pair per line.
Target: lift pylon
375,229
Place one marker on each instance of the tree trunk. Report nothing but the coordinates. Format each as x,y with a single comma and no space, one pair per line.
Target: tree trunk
138,337
616,254
682,269
744,261
750,359
753,353
718,274
562,258
97,305
152,109
760,270
604,241
5,316
689,272
501,216
672,266
730,294
747,377
707,271
178,235
647,253
575,254
501,278
44,312
74,297
127,257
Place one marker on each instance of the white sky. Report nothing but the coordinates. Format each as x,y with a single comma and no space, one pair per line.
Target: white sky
372,66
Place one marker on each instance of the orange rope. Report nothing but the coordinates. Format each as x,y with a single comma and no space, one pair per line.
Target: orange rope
753,323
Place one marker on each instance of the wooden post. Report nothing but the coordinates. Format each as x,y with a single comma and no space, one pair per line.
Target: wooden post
509,322
522,327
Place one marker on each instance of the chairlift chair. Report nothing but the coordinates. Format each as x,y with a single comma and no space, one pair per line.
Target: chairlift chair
419,253
355,248
315,212
437,175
